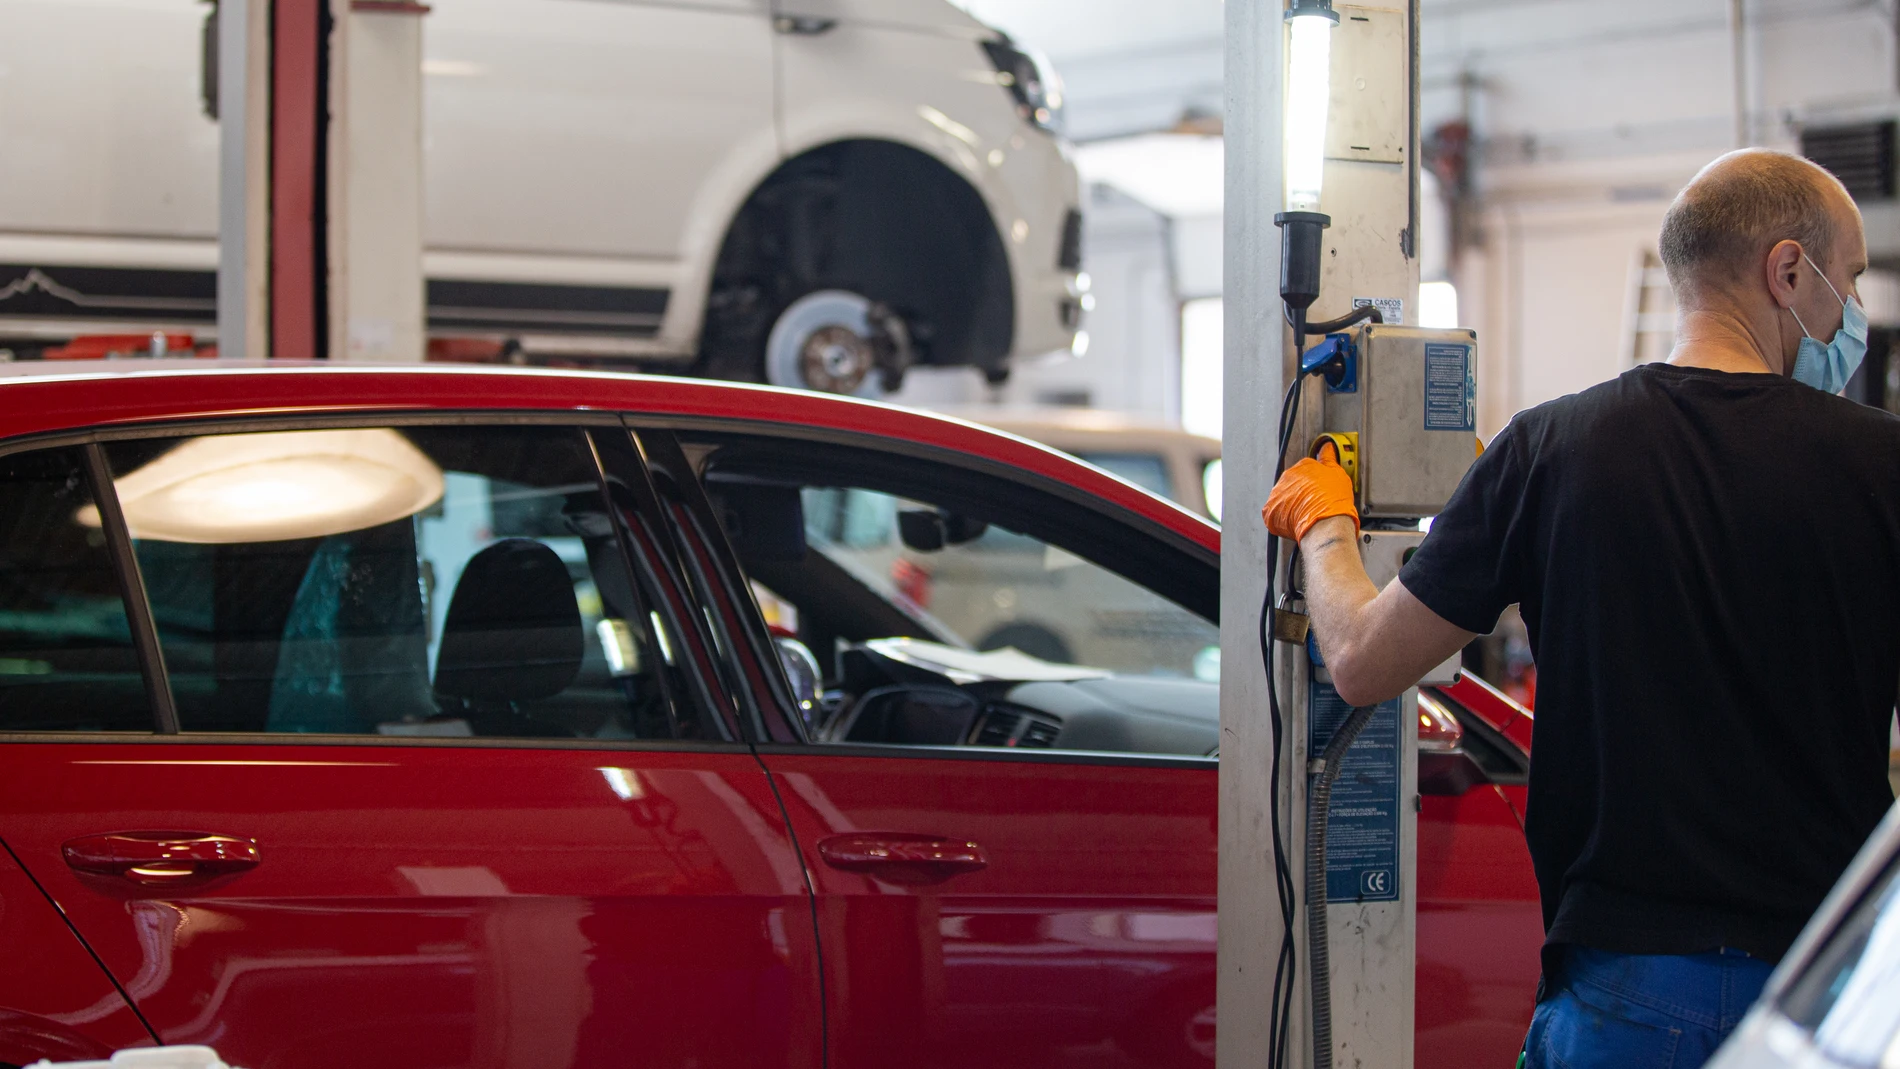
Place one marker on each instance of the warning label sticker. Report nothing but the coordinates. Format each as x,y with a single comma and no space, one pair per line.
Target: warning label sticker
1391,309
1450,392
1362,822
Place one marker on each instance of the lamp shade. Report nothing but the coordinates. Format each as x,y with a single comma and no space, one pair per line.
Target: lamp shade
275,486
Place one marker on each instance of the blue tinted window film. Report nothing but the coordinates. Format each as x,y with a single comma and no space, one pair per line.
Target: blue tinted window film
1450,390
1362,823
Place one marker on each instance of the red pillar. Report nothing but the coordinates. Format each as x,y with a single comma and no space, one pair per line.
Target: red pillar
297,133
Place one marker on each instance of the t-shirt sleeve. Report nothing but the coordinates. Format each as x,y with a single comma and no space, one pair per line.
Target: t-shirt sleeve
1470,567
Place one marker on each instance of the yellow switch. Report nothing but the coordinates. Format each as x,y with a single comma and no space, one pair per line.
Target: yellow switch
1346,444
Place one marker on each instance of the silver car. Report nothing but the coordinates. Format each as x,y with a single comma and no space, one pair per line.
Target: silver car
1834,1003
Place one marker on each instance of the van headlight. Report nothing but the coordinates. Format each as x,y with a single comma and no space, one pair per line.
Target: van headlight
1030,81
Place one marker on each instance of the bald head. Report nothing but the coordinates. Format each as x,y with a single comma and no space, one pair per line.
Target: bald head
1736,209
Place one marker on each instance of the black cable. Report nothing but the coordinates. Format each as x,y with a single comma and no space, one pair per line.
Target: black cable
1280,1016
1334,326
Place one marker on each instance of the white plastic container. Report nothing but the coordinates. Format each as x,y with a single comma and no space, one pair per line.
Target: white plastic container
148,1058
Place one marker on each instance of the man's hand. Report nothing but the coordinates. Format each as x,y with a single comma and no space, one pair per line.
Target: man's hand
1308,492
1376,643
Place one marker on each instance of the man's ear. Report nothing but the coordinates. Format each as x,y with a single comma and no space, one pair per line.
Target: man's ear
1781,267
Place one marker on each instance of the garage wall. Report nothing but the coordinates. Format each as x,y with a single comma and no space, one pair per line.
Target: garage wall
1548,292
1133,360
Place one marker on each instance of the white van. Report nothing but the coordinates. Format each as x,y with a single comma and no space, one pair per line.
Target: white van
809,192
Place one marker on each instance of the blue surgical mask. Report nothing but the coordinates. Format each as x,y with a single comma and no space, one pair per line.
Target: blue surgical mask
1828,367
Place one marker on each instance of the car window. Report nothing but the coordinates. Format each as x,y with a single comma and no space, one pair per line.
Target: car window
1848,996
1212,487
988,608
1146,470
998,589
67,662
420,581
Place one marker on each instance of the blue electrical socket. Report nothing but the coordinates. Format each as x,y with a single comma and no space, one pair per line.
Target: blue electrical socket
1338,351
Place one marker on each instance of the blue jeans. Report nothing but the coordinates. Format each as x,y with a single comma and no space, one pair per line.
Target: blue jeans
1641,1011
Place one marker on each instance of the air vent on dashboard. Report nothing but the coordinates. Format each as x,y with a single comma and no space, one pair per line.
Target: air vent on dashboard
997,729
1008,727
1040,734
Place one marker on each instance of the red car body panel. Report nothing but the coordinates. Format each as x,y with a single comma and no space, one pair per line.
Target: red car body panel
1497,709
1092,922
54,1001
1479,931
504,907
507,906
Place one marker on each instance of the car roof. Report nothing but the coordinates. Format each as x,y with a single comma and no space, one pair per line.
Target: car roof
50,397
1090,428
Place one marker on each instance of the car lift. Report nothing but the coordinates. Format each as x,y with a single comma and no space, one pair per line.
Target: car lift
1317,947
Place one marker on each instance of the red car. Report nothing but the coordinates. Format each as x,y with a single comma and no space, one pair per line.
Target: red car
420,718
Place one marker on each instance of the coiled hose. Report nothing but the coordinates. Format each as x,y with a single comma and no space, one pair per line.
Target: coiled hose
1318,801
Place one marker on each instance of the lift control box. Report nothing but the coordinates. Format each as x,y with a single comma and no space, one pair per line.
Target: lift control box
1411,401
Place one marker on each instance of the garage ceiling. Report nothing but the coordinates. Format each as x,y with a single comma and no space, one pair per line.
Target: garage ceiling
1611,94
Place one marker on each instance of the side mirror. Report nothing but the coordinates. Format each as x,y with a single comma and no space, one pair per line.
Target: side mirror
801,670
921,529
929,530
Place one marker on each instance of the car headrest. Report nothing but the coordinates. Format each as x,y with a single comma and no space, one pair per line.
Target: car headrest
513,631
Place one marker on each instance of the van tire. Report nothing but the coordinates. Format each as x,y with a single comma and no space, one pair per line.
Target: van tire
875,219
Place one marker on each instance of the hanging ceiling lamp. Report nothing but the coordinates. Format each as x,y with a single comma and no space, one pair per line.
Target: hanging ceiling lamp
275,486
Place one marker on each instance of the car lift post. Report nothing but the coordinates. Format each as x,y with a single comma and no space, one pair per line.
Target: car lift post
1254,377
375,181
320,179
244,121
1368,252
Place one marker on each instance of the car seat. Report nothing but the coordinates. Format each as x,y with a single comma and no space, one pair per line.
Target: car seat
512,636
354,648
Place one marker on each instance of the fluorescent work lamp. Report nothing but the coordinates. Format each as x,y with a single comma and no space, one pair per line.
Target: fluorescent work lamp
1309,26
1308,89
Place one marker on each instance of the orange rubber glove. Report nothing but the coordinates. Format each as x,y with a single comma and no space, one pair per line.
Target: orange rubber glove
1309,492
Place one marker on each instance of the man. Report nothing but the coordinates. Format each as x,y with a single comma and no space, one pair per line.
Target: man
1707,557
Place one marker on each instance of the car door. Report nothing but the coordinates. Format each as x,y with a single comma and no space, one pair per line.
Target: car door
423,763
64,1008
995,903
594,147
1033,883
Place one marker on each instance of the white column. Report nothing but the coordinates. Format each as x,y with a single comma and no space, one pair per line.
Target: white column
244,42
375,181
1250,928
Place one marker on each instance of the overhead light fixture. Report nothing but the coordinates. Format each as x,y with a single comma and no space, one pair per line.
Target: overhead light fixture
275,486
1309,90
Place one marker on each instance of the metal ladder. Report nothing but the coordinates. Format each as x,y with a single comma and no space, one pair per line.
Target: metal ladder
1649,311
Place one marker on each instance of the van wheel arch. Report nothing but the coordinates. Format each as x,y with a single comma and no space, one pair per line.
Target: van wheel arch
876,218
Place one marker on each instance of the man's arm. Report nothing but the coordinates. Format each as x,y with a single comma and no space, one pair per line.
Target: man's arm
1376,642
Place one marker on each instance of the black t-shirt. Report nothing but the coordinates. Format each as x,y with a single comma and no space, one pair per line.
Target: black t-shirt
1709,568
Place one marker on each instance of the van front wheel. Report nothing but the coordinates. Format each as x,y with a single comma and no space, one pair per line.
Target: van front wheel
823,341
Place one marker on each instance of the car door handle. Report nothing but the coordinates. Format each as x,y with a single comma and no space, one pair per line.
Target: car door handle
161,859
900,857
